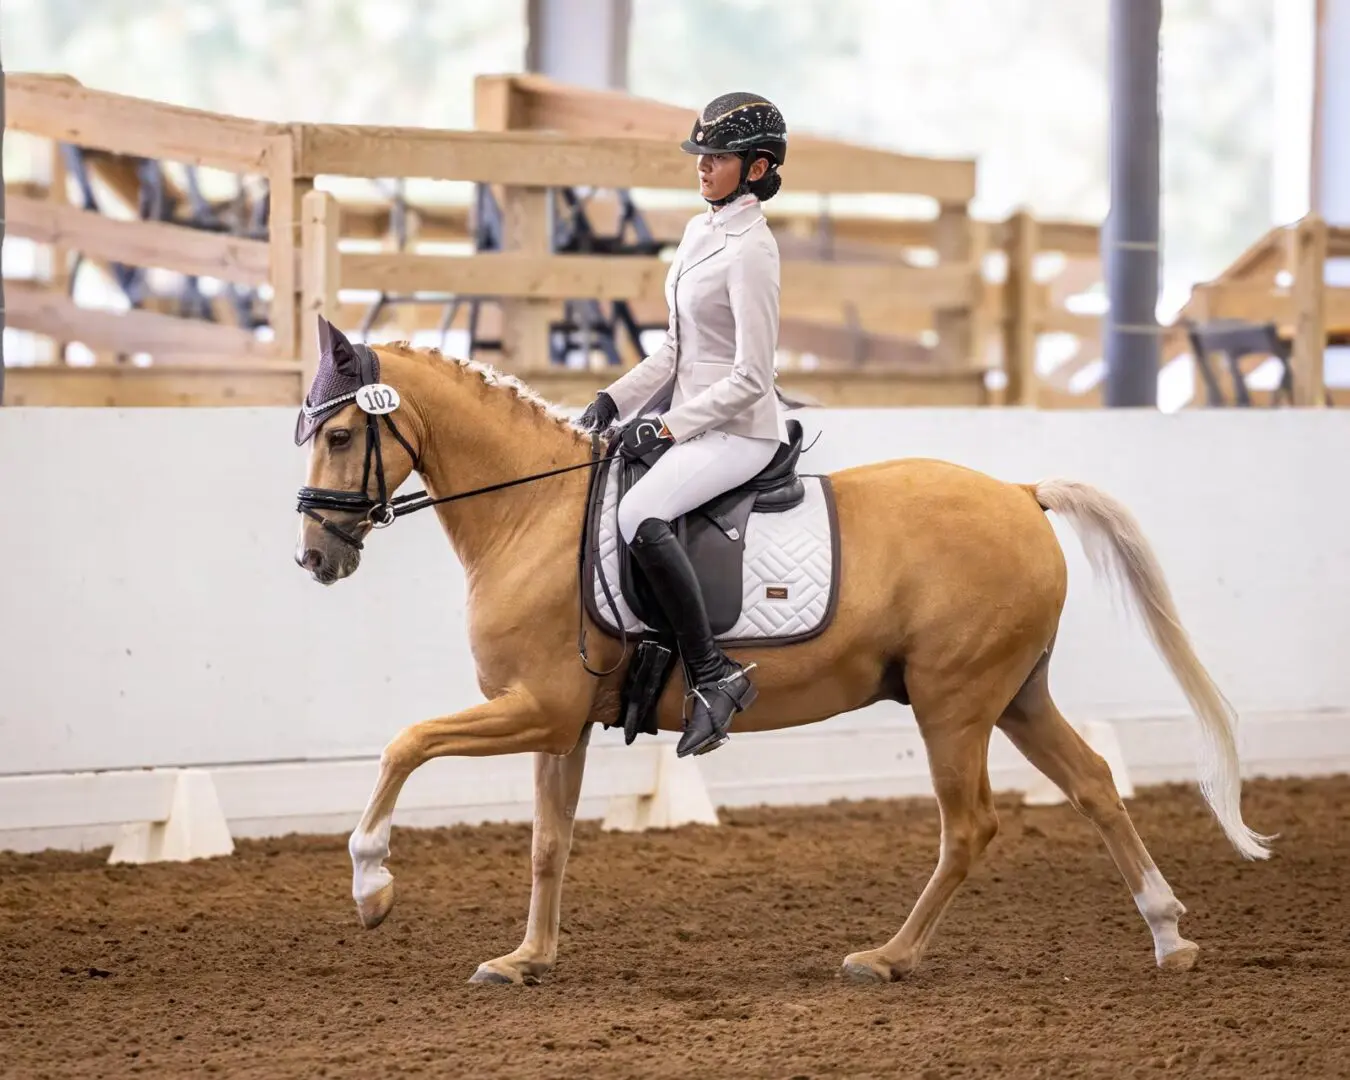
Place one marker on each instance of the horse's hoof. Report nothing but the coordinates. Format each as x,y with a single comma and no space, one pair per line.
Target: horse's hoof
861,973
1182,958
373,909
491,976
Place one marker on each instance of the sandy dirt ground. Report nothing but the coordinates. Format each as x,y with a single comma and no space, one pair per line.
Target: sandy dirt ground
698,952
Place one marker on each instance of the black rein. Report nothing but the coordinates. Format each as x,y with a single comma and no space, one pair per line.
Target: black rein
384,511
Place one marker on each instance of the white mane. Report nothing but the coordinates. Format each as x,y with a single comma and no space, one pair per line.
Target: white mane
495,378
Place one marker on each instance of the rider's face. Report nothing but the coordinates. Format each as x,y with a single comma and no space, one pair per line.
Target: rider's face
719,174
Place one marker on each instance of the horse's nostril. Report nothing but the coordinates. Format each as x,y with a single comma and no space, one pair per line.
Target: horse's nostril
312,559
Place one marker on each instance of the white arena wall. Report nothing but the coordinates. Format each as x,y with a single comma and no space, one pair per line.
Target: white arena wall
151,615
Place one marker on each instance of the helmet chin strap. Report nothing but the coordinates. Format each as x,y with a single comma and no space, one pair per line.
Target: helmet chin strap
743,188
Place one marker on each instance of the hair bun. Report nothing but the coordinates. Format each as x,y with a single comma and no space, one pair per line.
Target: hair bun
766,187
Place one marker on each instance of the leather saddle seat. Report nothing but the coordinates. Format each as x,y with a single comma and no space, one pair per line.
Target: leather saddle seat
713,535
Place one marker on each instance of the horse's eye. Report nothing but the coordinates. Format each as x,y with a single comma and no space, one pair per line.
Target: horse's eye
339,437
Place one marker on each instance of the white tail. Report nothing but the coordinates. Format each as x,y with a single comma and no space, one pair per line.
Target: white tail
1118,551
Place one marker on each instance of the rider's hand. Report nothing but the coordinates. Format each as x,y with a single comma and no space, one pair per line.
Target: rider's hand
640,437
599,414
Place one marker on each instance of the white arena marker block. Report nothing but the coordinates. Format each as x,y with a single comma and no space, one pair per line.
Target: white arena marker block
679,797
1101,736
194,829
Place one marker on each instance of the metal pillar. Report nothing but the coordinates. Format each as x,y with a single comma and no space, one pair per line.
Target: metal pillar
582,42
1130,235
1331,114
2,231
1330,165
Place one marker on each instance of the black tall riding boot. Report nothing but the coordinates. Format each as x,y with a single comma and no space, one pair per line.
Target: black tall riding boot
719,686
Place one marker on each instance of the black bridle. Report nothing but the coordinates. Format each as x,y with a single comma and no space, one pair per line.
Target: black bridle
382,511
378,512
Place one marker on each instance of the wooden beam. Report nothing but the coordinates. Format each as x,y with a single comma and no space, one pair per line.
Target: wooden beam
1058,321
814,163
154,244
551,160
62,109
879,290
135,387
19,189
508,274
1310,311
41,310
486,157
1261,303
837,389
856,346
1076,239
837,236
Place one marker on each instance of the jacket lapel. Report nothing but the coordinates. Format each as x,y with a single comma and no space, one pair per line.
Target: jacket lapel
707,244
712,236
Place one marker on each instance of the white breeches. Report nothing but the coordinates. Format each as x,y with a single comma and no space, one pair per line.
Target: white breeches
689,474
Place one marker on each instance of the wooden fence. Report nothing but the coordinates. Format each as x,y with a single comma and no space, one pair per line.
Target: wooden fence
1281,279
1014,308
890,310
199,361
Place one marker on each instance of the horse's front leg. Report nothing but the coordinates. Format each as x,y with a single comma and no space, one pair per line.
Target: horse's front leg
516,722
557,787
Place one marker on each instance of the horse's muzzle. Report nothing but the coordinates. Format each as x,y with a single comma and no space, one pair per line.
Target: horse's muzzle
322,568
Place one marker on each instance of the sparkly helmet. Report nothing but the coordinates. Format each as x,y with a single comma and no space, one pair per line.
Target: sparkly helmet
737,124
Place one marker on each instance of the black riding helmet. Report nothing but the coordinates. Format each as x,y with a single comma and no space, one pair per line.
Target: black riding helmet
745,124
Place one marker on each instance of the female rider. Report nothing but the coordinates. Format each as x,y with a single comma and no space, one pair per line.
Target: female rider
711,384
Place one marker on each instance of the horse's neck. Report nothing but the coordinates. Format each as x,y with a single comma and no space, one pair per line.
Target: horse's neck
476,444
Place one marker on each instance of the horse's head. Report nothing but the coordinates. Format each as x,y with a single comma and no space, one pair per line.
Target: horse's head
364,447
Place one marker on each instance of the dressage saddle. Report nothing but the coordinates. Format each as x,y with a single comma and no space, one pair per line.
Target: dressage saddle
713,535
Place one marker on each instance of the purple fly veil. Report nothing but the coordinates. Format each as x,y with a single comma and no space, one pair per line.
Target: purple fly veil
342,371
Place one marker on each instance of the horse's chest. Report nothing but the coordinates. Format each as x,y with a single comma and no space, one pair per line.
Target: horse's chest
515,616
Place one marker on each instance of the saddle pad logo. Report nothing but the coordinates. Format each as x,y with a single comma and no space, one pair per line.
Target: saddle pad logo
775,592
377,399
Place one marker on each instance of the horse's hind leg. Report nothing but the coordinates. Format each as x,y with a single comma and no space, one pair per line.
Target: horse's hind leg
557,787
956,716
1047,740
958,763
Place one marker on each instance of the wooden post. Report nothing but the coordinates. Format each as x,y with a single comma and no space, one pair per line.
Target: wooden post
58,270
526,227
956,331
286,191
1019,317
525,323
1310,327
319,270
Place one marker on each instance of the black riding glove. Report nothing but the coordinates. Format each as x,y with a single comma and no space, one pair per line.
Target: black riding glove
599,414
640,437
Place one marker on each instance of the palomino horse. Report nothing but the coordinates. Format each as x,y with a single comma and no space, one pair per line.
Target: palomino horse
952,588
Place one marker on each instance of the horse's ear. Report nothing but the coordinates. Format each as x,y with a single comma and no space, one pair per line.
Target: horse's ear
333,342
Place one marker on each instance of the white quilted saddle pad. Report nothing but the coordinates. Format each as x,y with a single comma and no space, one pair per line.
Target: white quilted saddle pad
790,577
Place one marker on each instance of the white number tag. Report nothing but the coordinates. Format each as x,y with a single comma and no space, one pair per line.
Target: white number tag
377,399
